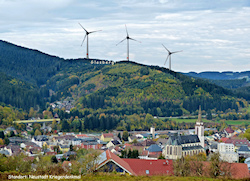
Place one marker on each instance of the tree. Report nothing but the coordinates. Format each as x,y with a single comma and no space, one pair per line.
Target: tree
161,157
247,134
37,132
1,141
119,136
215,165
125,135
6,141
71,148
182,167
196,163
54,159
209,115
12,133
2,134
65,125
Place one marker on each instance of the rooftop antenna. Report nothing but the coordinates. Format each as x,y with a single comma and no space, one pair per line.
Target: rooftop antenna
169,56
128,38
86,35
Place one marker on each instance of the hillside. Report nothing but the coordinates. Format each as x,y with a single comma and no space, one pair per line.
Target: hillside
125,88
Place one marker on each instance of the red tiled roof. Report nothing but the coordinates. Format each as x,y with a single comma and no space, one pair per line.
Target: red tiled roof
229,130
118,160
154,167
243,141
51,153
81,135
224,139
237,170
107,135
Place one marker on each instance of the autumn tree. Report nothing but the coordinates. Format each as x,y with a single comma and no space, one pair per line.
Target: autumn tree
125,135
37,132
182,167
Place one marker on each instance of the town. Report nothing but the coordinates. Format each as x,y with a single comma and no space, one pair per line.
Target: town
136,153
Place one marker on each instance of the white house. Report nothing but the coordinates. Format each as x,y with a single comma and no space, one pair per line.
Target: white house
227,153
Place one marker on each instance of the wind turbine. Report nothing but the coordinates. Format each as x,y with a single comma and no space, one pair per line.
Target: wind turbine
86,35
169,56
128,38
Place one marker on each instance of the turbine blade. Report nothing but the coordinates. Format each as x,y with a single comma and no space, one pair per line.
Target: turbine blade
94,31
176,52
121,41
166,60
126,30
83,28
83,39
134,40
166,48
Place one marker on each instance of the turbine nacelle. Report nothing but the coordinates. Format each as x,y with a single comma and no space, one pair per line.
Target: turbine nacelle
169,56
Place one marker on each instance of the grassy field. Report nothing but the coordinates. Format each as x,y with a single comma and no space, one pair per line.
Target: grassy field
178,120
229,122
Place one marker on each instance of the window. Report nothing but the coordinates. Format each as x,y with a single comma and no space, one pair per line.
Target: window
147,172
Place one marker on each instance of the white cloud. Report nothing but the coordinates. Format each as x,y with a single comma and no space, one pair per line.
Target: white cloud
206,31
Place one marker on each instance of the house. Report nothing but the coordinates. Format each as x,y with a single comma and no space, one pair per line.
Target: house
244,151
81,136
106,137
227,153
229,132
9,129
135,146
154,151
39,140
92,142
13,149
113,143
132,139
238,142
162,142
109,162
64,148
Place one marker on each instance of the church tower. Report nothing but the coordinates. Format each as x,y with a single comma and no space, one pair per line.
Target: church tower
199,128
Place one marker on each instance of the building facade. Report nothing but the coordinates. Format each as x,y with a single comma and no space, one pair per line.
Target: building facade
181,146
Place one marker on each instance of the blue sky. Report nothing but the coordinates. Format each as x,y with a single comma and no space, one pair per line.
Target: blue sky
214,35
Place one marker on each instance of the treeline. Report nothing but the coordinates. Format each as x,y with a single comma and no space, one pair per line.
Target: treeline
20,94
192,103
29,65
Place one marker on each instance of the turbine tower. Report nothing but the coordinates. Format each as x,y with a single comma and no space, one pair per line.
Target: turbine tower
169,56
128,38
86,35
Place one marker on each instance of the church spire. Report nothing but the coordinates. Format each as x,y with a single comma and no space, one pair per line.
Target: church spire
199,128
199,115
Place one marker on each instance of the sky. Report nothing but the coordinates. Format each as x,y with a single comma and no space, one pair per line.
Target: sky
214,35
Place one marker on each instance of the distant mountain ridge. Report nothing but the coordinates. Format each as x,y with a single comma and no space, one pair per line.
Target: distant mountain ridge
228,79
228,75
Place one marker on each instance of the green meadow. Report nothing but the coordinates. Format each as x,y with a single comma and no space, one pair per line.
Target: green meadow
229,122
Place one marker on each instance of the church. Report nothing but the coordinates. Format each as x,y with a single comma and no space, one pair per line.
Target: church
181,146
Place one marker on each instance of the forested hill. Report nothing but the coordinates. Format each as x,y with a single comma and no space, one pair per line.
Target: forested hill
122,89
